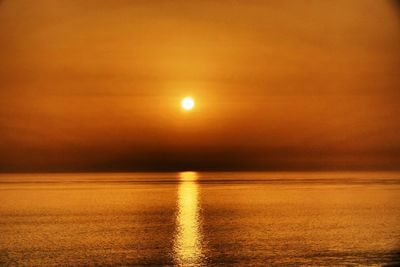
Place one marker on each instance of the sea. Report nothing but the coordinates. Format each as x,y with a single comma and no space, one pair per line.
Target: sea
200,219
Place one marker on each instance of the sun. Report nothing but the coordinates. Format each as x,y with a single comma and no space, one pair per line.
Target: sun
187,103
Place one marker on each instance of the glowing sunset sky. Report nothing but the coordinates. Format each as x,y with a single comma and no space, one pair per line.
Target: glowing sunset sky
97,85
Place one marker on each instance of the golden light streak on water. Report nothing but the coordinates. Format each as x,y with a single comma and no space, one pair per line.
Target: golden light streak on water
188,236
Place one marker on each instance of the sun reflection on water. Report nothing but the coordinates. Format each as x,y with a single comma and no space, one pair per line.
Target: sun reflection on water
188,236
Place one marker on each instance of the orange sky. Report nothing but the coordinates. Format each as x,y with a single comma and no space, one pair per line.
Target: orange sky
279,85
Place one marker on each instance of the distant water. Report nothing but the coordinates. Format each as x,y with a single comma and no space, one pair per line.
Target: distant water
199,219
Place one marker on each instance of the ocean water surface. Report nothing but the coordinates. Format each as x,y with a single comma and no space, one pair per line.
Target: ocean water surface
200,219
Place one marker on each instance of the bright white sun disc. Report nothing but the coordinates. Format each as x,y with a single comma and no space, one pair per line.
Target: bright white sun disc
187,103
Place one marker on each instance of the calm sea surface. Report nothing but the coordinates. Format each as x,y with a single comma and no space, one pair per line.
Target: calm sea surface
198,219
